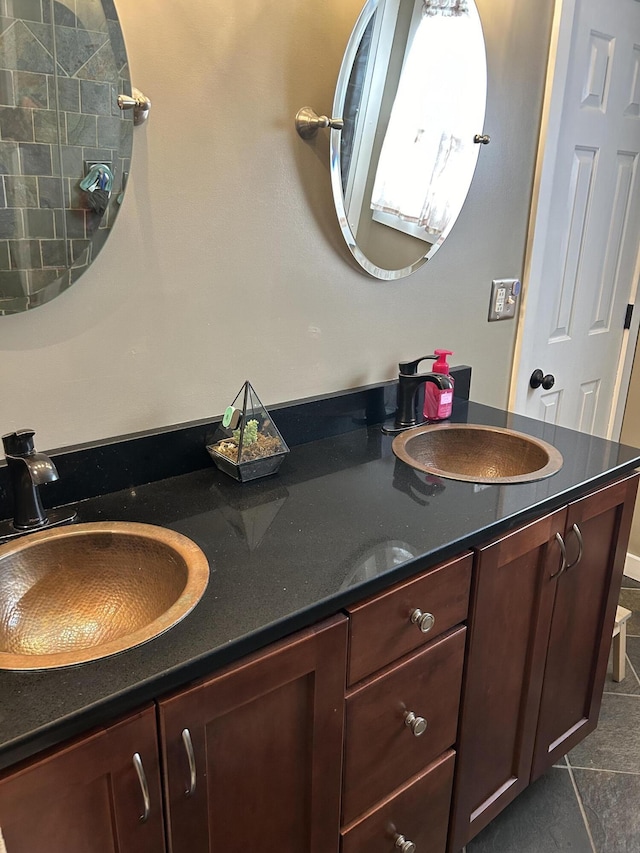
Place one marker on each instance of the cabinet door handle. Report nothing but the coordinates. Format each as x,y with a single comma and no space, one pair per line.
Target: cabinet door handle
565,563
403,845
188,748
144,787
418,725
578,536
563,551
424,621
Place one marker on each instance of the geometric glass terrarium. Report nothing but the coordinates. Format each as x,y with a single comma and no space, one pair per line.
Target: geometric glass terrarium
247,444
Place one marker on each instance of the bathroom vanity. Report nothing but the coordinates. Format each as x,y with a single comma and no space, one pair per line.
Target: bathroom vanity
382,659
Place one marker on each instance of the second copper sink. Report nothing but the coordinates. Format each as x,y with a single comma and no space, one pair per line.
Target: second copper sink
477,454
77,593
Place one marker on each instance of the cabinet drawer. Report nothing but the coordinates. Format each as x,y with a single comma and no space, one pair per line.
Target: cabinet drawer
419,812
382,751
381,630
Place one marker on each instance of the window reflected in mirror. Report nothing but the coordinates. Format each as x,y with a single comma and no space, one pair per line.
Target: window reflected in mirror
412,93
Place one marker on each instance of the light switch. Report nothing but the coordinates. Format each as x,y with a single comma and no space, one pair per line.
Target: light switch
504,298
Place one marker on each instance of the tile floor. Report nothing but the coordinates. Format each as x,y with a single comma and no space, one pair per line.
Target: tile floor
590,803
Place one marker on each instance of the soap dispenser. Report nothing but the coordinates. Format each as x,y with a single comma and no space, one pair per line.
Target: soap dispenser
438,403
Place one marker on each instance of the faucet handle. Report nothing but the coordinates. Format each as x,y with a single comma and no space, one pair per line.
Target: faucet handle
410,368
19,443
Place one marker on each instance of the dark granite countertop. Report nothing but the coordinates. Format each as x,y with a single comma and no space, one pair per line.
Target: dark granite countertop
341,520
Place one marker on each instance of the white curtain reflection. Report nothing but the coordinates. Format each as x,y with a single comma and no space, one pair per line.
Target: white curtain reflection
427,157
445,7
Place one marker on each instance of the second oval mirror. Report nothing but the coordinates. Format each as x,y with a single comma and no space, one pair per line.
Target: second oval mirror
65,144
412,93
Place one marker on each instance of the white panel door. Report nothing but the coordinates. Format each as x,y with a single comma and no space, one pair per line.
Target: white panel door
582,265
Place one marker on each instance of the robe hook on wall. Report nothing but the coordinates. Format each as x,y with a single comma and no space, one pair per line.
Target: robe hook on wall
482,139
308,122
138,102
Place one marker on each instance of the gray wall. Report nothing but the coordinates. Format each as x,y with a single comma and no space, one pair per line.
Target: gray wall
226,262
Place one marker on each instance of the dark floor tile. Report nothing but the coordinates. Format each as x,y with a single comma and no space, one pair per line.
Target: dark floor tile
31,90
630,683
6,88
11,226
545,818
22,190
14,284
630,583
630,598
36,158
26,44
17,124
615,744
68,94
611,804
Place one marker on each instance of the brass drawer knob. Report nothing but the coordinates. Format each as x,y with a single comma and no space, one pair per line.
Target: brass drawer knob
424,621
403,845
418,725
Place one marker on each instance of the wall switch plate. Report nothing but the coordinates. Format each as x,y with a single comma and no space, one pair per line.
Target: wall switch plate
504,298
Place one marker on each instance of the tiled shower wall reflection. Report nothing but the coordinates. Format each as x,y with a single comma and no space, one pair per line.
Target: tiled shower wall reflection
62,66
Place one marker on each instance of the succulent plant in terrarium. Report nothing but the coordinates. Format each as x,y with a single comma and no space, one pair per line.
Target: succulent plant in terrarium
247,444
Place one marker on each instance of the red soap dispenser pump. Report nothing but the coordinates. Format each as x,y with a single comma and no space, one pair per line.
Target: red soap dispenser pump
438,403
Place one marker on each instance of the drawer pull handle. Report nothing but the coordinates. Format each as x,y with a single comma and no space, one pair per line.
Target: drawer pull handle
418,725
188,748
424,621
403,845
144,787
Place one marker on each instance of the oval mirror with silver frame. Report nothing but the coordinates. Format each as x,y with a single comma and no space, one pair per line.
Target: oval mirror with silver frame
63,65
412,94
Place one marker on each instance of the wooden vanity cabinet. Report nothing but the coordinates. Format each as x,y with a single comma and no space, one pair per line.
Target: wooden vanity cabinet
407,648
539,638
499,658
586,597
253,755
508,627
251,758
87,796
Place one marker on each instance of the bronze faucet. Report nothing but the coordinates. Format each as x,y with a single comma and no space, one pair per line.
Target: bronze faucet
28,469
409,380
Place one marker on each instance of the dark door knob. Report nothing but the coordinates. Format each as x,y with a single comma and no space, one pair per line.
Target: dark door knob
538,378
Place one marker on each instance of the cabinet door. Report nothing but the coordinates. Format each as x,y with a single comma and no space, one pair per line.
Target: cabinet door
87,796
511,604
583,617
254,754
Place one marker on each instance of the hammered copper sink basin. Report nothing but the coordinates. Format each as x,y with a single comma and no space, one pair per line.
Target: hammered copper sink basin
74,594
477,454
